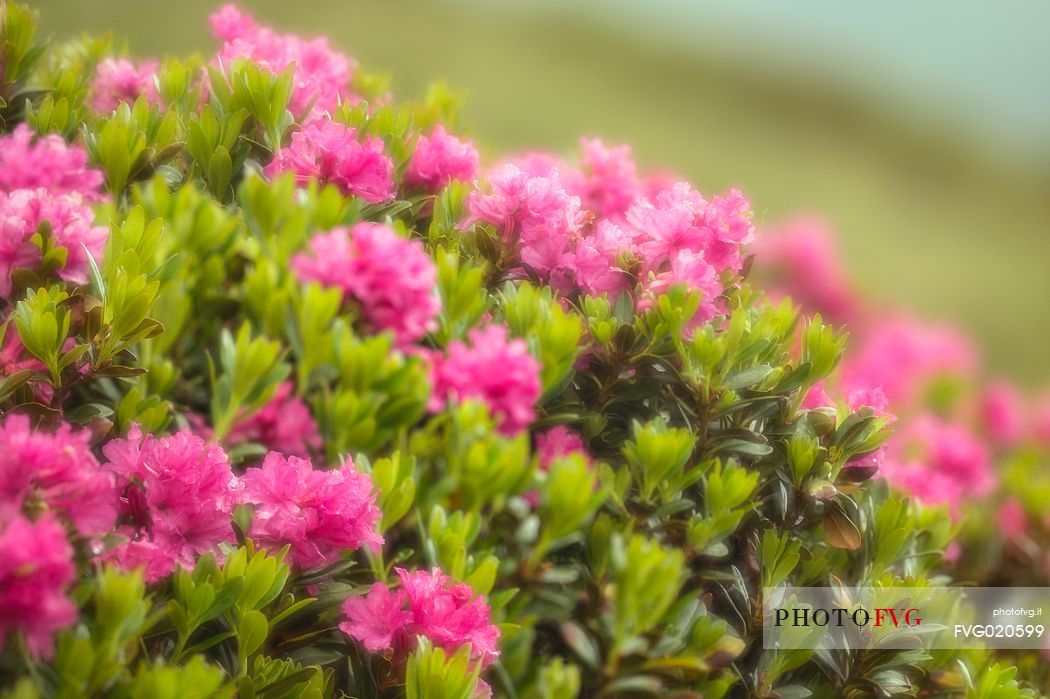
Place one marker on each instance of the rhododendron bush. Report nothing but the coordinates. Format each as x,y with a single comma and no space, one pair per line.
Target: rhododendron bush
302,397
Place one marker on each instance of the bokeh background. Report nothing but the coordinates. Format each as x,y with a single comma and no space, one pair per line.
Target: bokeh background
921,131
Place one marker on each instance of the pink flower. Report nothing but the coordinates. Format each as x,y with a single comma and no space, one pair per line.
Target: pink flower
817,397
610,184
441,157
801,260
691,270
377,618
331,153
229,23
447,613
58,469
24,211
728,217
939,462
596,262
1002,412
450,614
46,162
321,514
902,356
1012,520
119,80
155,556
391,277
36,572
556,442
536,215
177,492
681,219
552,444
498,371
321,75
874,398
284,424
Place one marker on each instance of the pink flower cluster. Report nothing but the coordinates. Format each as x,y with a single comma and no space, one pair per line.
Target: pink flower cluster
603,230
939,462
392,277
177,495
119,80
556,442
534,214
332,153
550,445
892,364
36,572
427,604
44,181
439,158
319,514
1003,413
58,470
799,258
491,368
284,424
322,75
46,162
47,480
902,355
608,183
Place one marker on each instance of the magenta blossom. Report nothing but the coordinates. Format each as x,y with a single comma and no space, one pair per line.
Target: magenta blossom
177,494
321,75
119,80
1012,520
609,184
58,469
534,214
494,369
556,442
1002,412
428,604
320,514
284,424
938,462
817,397
902,356
439,158
332,153
552,444
801,260
597,262
377,618
691,270
22,214
36,572
46,162
392,277
681,219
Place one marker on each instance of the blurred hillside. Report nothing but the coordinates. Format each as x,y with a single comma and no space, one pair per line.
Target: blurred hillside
927,218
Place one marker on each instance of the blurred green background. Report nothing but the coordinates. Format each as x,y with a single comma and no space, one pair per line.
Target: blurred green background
921,133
